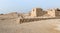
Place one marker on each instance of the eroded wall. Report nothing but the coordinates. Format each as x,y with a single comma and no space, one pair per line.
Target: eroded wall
51,12
36,12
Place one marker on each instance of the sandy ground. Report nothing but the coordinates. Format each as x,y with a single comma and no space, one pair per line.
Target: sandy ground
44,26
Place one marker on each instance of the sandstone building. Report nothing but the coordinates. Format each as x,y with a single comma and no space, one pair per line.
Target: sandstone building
53,12
37,12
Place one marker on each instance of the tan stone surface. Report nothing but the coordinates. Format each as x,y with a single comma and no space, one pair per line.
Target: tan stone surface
51,12
37,12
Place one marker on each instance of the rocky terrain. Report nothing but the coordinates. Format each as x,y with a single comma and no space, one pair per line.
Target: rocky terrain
43,26
10,23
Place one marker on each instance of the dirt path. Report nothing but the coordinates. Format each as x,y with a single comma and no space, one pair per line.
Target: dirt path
44,26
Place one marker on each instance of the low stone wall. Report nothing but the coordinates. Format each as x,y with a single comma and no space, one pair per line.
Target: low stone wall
33,19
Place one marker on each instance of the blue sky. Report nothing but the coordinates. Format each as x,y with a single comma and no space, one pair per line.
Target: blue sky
7,6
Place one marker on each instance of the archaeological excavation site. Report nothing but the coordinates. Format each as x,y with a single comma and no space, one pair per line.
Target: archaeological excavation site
37,20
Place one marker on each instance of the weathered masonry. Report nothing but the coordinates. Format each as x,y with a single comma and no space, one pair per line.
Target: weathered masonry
36,12
54,12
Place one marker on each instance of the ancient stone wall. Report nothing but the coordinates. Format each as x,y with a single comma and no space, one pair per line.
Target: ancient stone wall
33,13
51,12
36,12
32,19
57,12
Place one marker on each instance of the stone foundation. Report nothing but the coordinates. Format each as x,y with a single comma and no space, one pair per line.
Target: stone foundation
32,19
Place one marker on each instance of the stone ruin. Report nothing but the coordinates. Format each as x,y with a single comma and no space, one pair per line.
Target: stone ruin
54,12
36,12
35,15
